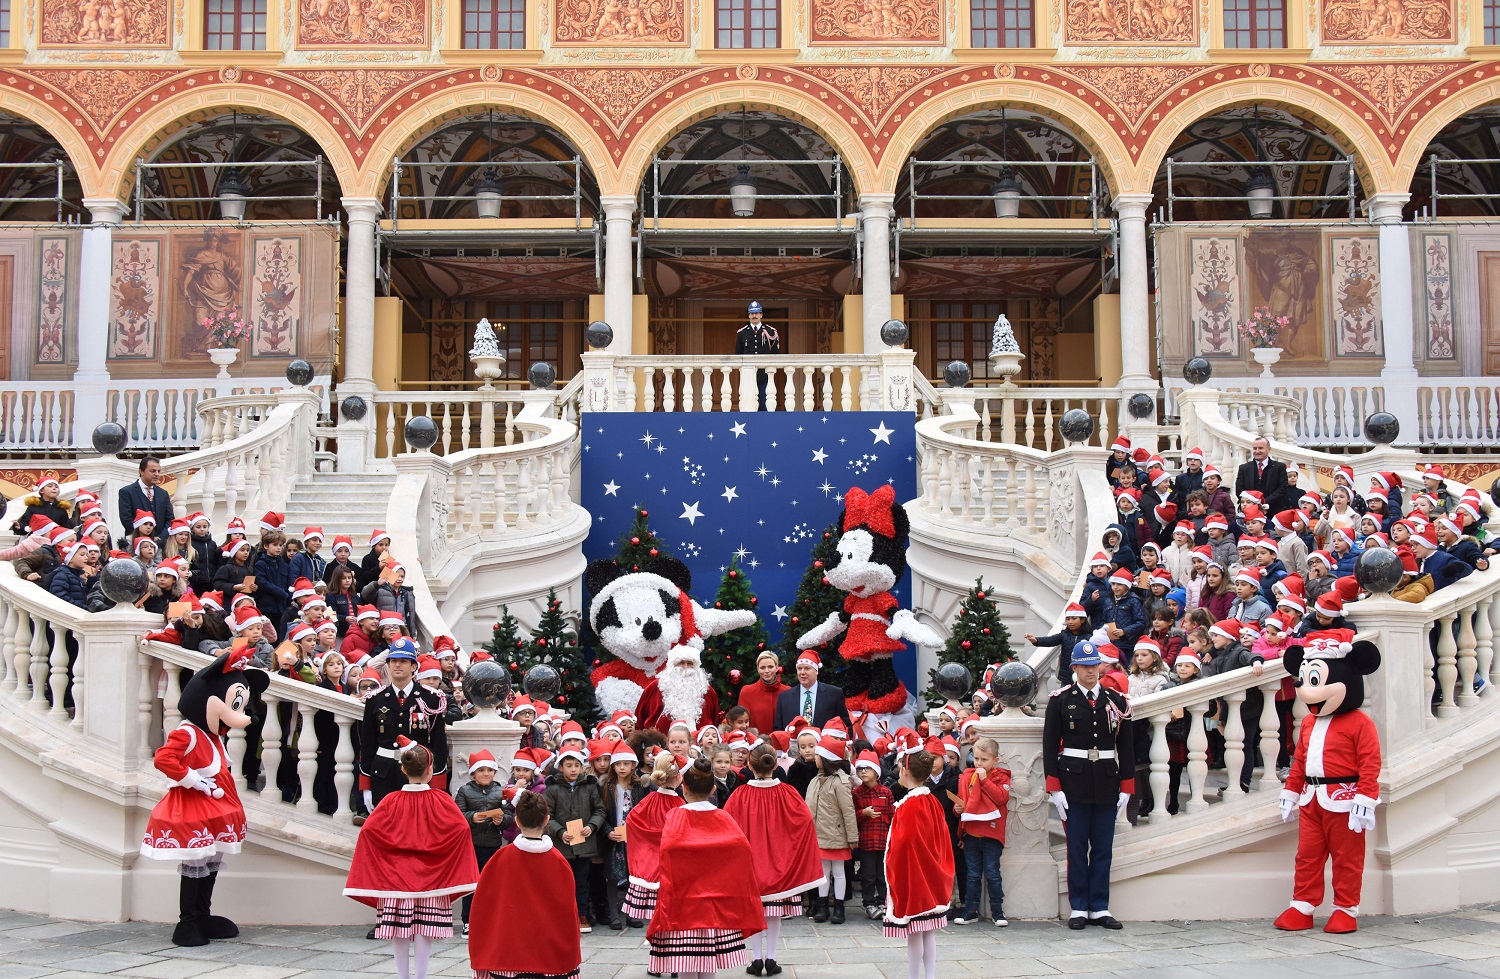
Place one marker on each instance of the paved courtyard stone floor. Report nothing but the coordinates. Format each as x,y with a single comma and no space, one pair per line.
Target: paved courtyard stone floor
1459,945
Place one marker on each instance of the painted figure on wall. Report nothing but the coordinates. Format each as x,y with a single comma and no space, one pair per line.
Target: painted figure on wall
209,279
101,22
1285,275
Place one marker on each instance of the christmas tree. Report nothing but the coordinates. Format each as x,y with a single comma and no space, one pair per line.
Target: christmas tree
639,544
978,639
554,644
816,599
505,641
730,658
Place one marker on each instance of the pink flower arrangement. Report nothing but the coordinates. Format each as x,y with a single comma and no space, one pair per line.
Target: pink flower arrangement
227,329
1262,329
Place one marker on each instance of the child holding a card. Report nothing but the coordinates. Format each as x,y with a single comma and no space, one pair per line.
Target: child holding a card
482,801
577,816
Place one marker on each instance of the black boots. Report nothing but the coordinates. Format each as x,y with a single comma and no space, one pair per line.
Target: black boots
819,909
772,969
188,933
756,967
212,925
837,918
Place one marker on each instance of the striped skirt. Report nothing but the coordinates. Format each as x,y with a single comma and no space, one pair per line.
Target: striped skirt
786,907
697,950
403,917
640,902
931,921
486,974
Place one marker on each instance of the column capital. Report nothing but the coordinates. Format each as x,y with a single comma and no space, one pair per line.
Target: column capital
617,206
1132,206
362,210
877,205
1386,208
104,210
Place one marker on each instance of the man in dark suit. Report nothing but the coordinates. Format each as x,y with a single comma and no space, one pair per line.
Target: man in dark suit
146,495
1264,474
818,702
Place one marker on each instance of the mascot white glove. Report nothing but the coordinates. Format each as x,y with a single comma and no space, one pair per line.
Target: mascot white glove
824,631
1288,801
1361,818
1120,806
369,800
192,780
904,625
1060,803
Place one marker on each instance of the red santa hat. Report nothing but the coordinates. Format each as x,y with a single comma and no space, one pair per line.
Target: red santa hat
867,759
526,758
1293,604
1205,554
272,521
41,524
1328,644
835,728
1228,628
1185,528
621,716
213,600
951,746
1280,621
522,703
178,525
1120,444
235,525
1434,471
1140,455
1189,655
1212,471
1345,473
1075,611
1159,477
482,759
312,602
302,588
1100,558
1254,512
391,619
363,612
1313,497
427,668
300,631
1165,513
810,656
445,647
1347,533
1324,558
608,731
73,549
89,526
1427,537
169,567
1452,524
234,547
1330,603
312,533
376,536
1108,652
1122,577
1216,521
571,731
327,625
1151,545
1126,497
1265,544
737,739
907,742
342,542
1386,481
141,519
599,748
194,519
1195,454
244,617
1249,576
831,748
1285,522
1147,643
1249,631
63,534
620,751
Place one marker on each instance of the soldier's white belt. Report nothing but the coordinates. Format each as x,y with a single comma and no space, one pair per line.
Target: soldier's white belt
1092,754
393,754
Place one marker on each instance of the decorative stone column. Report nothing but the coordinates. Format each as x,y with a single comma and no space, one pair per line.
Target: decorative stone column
486,730
619,292
876,271
1397,312
96,262
1135,298
1027,866
356,440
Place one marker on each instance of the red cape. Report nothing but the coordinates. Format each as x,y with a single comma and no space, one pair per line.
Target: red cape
650,712
779,826
415,844
918,859
643,835
707,876
523,914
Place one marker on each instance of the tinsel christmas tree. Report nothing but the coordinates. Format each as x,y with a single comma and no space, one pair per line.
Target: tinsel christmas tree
640,543
978,639
814,601
554,644
730,658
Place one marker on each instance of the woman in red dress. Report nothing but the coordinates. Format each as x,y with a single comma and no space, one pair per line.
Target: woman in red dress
918,868
707,905
200,818
413,859
779,826
643,836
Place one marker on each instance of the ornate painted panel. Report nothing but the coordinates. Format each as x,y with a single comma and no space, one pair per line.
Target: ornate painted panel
1214,284
52,301
377,24
620,21
135,303
1130,21
105,23
885,21
275,303
1437,284
1354,295
1284,272
1385,21
208,278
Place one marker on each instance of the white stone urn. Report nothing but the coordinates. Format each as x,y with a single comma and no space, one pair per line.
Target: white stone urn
1266,357
488,358
223,357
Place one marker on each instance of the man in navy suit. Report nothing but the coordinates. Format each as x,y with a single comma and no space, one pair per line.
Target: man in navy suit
144,494
818,702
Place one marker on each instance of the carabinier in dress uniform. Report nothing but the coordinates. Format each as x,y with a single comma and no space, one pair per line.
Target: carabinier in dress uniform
407,708
757,338
1088,755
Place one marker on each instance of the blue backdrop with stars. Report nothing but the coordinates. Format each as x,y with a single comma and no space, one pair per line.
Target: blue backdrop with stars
762,486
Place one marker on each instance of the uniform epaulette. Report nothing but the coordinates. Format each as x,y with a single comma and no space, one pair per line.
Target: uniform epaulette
1062,689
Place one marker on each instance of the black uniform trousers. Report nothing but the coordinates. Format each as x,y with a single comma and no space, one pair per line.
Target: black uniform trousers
1090,829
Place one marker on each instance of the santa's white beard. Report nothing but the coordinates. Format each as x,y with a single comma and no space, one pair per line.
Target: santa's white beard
682,692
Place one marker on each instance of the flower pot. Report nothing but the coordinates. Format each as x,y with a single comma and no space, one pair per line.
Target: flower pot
223,357
1266,357
1007,364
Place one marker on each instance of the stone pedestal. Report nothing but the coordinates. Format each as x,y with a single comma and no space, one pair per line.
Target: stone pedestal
486,730
1027,866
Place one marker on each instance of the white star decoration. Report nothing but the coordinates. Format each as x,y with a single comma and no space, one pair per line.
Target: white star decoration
819,455
729,493
738,428
779,612
647,439
611,488
741,552
827,487
882,434
690,513
775,480
762,471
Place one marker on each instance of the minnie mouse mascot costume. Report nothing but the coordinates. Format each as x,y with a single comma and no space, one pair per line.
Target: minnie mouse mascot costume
869,560
200,818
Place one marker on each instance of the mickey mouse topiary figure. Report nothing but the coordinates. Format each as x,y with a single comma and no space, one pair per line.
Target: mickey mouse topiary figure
1335,780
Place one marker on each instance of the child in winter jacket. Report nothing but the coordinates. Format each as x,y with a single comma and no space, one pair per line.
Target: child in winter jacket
572,797
983,793
482,801
830,796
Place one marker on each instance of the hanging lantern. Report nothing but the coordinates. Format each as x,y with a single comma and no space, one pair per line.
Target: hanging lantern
487,195
1007,193
742,193
1260,189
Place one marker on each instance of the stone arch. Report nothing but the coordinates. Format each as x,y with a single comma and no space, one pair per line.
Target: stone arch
1421,133
425,115
167,118
1081,119
83,152
775,98
1341,123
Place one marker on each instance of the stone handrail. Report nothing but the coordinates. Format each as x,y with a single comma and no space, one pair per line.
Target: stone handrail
1277,415
465,419
222,419
36,415
1029,416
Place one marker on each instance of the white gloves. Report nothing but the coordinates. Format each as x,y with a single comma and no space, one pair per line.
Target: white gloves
1120,806
1060,803
192,780
369,801
1288,802
1361,818
904,626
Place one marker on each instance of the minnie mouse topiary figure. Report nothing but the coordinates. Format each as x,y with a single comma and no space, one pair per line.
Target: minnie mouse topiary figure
869,560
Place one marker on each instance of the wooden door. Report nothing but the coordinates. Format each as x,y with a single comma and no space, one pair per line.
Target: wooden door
1489,309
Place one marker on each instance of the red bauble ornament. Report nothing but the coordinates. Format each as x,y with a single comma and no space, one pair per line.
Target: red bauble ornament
963,611
643,513
966,644
653,552
795,620
718,604
635,567
635,540
561,700
985,630
570,686
759,646
734,677
541,641
754,600
817,564
825,536
515,666
734,574
979,595
825,581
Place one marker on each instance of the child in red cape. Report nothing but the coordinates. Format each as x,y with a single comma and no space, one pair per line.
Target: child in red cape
918,868
413,858
524,912
706,905
643,837
779,826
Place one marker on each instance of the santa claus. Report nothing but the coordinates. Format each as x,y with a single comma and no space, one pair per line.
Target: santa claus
681,692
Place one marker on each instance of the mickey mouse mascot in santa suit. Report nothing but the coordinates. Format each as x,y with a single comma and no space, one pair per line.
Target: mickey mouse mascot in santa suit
1335,780
200,818
869,560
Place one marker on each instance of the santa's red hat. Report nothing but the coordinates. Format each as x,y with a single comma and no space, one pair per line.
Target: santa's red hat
1193,454
272,521
178,525
1100,558
1330,603
1075,611
142,518
234,547
312,533
1122,577
244,617
1120,444
1228,628
1189,655
344,542
867,759
835,728
810,656
1328,644
376,536
482,759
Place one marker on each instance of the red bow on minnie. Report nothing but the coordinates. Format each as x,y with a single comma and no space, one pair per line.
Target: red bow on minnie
239,656
871,510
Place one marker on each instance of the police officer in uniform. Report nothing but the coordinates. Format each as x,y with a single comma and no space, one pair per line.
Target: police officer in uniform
407,708
756,337
1088,755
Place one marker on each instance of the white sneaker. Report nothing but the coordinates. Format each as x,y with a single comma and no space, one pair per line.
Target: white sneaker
999,923
466,929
